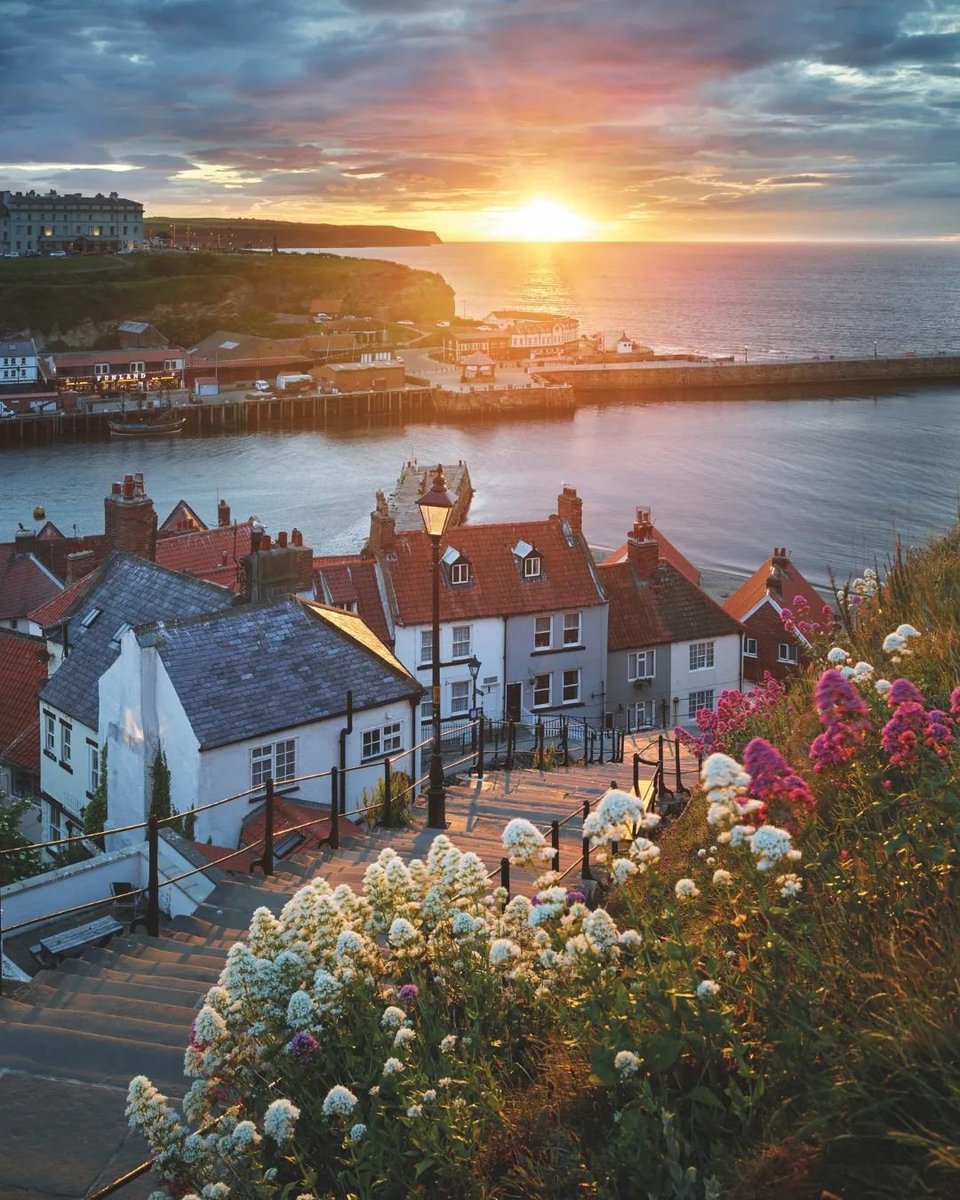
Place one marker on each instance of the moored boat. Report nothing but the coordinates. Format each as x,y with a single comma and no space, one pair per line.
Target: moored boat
143,425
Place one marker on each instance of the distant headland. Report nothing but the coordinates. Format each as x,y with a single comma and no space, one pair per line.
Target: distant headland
248,233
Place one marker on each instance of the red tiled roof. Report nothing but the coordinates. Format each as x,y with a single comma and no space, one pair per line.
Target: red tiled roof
496,586
286,815
24,584
350,579
666,609
210,554
240,863
70,359
50,613
23,669
749,594
667,550
51,549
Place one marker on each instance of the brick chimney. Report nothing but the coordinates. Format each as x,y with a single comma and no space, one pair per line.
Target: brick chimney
778,564
276,568
383,528
643,553
129,519
24,541
80,563
223,514
570,508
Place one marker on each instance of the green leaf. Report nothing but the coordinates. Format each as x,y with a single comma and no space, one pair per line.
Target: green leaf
703,1095
661,1053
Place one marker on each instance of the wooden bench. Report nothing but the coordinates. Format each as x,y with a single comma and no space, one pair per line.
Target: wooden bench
60,945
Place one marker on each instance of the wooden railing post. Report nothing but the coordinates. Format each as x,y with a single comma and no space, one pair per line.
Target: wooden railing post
511,733
555,843
335,808
267,860
676,760
660,756
565,740
505,875
585,847
387,814
481,740
151,918
636,773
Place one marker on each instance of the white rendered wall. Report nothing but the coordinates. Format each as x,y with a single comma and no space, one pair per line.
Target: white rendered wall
722,676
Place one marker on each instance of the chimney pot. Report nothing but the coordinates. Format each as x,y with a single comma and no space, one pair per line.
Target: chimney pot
223,514
282,539
265,541
296,537
116,488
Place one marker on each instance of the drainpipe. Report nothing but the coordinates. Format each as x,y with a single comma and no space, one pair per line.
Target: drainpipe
740,684
344,734
65,630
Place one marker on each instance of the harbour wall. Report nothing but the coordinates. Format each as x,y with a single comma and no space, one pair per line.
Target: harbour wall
813,372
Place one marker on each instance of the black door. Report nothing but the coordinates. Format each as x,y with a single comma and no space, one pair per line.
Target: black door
514,700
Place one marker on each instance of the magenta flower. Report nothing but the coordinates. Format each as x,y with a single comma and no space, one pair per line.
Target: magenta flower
409,991
902,691
844,716
955,704
303,1046
939,737
902,734
773,780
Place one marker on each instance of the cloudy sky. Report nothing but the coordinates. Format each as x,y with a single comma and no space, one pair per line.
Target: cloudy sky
650,119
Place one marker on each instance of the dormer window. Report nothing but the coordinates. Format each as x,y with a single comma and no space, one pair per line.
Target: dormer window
116,639
458,567
532,563
89,619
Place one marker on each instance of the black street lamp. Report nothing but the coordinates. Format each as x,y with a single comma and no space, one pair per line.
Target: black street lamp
435,508
473,666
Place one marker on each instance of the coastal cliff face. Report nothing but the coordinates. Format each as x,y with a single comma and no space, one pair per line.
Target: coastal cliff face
210,233
76,302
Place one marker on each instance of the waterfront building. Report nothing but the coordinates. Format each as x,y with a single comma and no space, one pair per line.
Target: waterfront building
672,649
513,334
35,223
18,364
378,373
93,371
759,604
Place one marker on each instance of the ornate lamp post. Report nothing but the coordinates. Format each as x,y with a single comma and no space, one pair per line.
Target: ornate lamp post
473,666
435,508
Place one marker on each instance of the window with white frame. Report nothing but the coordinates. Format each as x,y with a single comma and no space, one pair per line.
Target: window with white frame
571,629
532,567
697,701
386,739
461,641
54,822
642,714
541,691
137,368
788,652
66,743
101,368
749,647
542,632
93,767
701,655
426,647
460,572
571,686
274,760
460,697
50,733
641,664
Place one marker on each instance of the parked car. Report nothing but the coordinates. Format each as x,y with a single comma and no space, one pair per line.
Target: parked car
262,385
5,412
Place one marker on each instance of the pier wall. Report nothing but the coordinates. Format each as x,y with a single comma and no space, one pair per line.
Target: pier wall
815,372
489,401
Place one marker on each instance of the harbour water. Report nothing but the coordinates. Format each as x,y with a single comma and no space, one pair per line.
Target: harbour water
835,479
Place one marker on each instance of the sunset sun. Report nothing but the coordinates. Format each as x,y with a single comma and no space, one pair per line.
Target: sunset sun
541,221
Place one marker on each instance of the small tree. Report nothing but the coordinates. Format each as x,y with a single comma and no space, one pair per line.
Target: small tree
160,790
95,814
22,863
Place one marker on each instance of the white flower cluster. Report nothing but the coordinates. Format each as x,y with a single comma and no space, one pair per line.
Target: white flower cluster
864,586
725,782
525,844
770,845
897,644
279,1120
617,818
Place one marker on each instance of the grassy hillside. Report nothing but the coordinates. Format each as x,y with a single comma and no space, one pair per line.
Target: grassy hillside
209,233
767,1007
188,296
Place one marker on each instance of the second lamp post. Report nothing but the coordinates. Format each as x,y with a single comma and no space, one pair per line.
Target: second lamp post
435,508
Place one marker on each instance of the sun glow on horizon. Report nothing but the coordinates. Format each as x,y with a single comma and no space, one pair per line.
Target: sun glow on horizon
540,220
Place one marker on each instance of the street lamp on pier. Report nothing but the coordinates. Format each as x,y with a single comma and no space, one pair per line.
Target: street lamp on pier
435,507
745,354
874,347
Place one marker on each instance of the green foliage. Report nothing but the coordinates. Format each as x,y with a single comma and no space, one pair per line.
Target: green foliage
95,813
400,806
16,862
160,786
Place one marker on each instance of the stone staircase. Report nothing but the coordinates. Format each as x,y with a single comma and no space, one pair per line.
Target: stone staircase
71,1040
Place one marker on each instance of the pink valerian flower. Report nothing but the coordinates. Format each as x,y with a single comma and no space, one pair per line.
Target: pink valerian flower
939,737
844,716
720,728
955,704
773,781
903,733
902,691
797,620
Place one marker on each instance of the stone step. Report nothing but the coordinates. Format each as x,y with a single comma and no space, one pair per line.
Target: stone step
74,1054
156,1009
166,950
178,974
134,1027
58,987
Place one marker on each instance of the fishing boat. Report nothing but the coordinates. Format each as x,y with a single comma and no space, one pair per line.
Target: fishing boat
161,424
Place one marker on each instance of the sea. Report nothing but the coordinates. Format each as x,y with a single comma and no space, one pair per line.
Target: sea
837,478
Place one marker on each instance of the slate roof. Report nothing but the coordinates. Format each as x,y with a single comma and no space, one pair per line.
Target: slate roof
496,585
23,668
211,554
127,590
749,594
349,579
24,583
259,669
667,550
666,609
